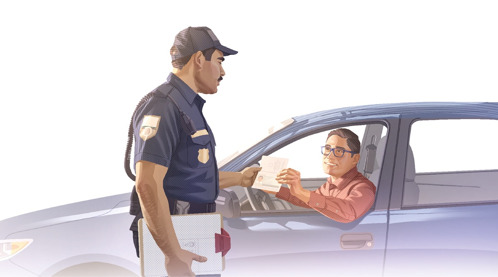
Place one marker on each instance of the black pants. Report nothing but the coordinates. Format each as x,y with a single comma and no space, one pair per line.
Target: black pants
193,208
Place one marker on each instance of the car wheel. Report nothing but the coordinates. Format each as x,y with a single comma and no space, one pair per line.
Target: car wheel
95,269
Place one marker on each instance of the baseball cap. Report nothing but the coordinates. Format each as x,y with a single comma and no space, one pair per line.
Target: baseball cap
193,39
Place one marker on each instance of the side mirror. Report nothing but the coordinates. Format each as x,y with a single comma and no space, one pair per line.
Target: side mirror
228,203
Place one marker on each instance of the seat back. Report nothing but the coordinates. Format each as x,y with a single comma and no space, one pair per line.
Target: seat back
411,190
381,147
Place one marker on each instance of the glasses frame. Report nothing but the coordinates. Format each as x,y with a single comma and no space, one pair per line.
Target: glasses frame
332,150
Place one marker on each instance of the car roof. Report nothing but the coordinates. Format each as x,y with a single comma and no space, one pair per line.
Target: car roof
410,110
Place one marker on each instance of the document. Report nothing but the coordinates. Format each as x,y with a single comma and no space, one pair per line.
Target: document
270,167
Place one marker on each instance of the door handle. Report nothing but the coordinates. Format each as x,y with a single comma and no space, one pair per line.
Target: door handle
357,241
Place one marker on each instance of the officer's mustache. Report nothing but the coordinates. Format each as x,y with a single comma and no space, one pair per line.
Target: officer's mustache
219,79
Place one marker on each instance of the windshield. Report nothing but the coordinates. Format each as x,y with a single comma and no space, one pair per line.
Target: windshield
273,129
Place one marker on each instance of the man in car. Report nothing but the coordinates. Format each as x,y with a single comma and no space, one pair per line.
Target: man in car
174,152
347,194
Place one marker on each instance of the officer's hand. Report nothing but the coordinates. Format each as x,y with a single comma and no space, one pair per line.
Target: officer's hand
249,175
180,264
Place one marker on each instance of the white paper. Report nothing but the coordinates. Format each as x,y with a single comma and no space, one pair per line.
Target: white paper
271,166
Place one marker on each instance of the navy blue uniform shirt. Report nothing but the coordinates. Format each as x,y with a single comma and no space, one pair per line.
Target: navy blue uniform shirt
162,137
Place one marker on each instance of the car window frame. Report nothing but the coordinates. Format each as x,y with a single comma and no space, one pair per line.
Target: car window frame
391,122
399,169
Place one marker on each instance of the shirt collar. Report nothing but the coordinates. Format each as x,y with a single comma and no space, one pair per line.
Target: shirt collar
345,179
185,90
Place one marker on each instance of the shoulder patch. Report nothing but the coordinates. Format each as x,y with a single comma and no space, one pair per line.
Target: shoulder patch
150,126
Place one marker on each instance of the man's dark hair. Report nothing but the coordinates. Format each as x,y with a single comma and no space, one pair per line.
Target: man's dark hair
351,138
181,62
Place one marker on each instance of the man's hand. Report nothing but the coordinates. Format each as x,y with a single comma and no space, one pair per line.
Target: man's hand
249,175
180,265
292,178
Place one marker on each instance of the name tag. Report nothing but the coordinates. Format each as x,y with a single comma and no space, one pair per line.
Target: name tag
199,133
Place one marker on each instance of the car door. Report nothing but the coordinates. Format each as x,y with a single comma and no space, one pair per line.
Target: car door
275,238
444,219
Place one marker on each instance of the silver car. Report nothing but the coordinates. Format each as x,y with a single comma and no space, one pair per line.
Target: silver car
435,214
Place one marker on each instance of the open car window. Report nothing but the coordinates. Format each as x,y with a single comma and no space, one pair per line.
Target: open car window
305,156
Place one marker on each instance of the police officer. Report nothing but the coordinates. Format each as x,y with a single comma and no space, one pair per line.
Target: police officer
175,147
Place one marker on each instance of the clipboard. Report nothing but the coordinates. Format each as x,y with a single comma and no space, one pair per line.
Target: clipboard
198,233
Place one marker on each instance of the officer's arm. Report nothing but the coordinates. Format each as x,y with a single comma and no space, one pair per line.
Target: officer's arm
155,207
244,178
229,179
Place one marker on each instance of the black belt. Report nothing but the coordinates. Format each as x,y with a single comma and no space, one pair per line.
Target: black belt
174,209
190,207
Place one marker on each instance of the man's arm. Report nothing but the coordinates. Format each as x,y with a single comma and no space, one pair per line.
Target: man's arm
244,178
155,208
294,183
359,200
285,194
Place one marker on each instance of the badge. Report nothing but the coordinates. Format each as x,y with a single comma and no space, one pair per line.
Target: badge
203,155
150,125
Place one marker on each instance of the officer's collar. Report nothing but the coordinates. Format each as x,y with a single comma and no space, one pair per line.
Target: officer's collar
184,89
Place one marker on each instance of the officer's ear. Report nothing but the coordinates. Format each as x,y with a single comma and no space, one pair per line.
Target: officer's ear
198,60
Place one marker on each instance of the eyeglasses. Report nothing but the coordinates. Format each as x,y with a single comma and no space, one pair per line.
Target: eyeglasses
338,152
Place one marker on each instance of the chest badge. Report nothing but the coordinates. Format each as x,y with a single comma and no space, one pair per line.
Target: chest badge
203,155
150,125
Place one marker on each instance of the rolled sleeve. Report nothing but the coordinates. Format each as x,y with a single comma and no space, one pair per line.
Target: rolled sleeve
152,158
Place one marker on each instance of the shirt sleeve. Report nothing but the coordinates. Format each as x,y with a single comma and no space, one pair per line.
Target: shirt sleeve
163,136
284,194
359,200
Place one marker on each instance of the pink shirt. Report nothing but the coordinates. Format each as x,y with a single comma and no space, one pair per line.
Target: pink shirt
344,200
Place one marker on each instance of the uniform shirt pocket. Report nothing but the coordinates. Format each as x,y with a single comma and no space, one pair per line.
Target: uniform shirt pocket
200,153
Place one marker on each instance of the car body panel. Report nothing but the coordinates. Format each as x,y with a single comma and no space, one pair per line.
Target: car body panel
271,242
459,241
72,238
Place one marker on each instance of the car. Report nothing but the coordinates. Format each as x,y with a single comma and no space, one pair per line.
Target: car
435,213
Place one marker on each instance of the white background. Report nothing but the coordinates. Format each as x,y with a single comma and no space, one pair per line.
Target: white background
72,72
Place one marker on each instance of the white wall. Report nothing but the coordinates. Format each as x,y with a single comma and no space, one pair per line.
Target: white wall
73,71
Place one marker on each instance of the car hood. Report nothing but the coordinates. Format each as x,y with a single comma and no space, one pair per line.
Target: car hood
61,214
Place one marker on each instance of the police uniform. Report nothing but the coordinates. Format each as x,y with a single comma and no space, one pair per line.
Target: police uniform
170,130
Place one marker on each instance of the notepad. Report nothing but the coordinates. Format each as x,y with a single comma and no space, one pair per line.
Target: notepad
196,233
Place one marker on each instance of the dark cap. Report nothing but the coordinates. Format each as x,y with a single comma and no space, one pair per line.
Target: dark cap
193,39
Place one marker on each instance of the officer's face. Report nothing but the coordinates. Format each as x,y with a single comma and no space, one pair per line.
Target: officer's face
211,73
